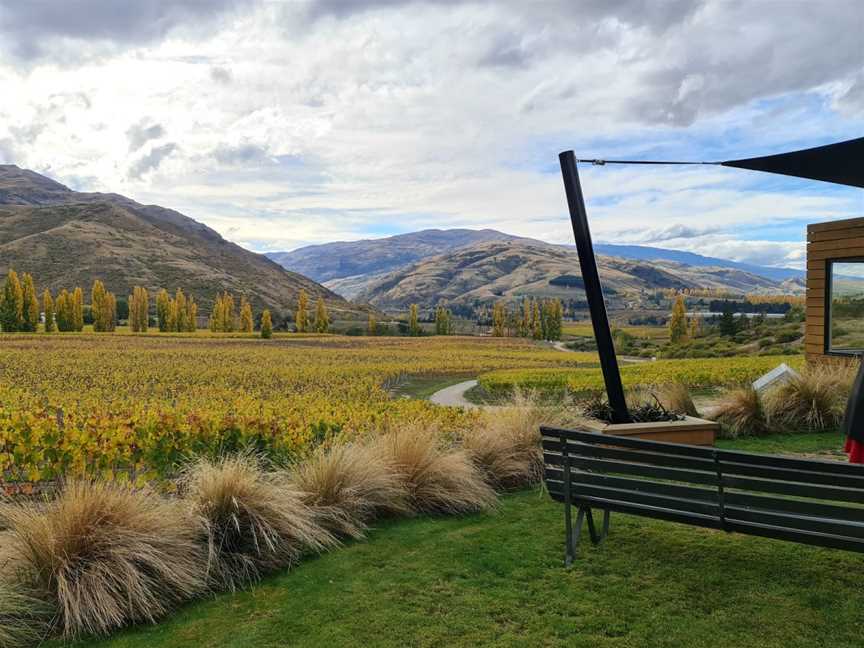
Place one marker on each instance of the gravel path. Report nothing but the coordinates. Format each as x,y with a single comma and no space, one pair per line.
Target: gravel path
454,395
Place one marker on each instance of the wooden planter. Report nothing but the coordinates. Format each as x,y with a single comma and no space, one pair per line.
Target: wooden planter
692,431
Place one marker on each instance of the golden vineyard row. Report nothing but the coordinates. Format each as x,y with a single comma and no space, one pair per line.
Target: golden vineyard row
90,404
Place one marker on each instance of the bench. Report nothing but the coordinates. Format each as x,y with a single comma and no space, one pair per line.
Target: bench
800,500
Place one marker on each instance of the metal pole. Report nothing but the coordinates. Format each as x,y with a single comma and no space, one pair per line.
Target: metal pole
593,290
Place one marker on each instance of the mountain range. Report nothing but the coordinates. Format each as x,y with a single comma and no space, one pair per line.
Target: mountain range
480,266
66,238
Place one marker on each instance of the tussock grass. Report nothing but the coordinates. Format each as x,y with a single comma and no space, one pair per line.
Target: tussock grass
106,554
505,444
436,479
23,618
741,413
256,522
815,400
676,398
347,486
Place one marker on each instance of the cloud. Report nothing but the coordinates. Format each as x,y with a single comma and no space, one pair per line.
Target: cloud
139,134
31,28
242,154
221,74
151,161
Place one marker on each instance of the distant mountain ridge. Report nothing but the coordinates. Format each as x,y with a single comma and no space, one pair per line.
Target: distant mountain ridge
510,270
646,253
66,238
355,269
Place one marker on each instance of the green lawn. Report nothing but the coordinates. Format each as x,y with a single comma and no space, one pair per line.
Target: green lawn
499,580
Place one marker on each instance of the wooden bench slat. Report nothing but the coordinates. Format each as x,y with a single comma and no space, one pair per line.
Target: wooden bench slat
795,489
581,491
799,522
670,489
643,470
798,506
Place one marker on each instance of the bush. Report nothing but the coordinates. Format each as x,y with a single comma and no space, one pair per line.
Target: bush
676,398
255,521
741,413
815,400
23,618
505,443
348,486
437,480
106,554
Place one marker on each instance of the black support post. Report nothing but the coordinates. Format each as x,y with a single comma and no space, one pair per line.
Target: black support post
593,290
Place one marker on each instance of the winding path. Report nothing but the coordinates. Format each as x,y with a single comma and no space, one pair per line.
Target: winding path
454,395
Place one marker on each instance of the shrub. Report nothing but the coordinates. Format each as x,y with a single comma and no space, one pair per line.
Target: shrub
255,521
676,398
349,485
505,442
107,554
23,618
436,480
741,413
815,400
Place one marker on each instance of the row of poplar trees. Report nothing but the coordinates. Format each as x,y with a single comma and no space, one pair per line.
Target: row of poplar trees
536,319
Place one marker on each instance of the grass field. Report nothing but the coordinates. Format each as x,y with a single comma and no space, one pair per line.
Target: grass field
498,580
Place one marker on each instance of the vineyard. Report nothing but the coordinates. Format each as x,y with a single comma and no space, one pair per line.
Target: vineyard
697,373
139,405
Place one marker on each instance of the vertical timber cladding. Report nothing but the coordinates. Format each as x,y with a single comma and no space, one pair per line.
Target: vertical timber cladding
826,241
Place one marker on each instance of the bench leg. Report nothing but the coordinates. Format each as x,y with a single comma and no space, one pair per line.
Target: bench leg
575,531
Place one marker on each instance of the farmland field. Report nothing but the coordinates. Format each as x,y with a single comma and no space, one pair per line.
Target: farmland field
91,404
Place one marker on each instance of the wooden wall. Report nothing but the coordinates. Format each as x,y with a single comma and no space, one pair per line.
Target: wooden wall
833,240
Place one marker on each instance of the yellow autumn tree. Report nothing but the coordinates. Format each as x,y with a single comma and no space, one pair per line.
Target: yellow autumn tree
29,305
247,322
48,309
301,318
678,321
266,325
322,318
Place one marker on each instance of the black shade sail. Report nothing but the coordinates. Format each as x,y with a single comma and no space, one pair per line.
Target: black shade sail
842,163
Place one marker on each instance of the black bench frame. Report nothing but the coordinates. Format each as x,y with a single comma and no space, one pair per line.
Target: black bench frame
799,500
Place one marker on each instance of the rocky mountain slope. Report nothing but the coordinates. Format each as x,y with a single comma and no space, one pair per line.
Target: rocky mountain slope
67,238
509,270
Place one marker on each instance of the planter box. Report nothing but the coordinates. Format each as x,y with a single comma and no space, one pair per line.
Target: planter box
692,431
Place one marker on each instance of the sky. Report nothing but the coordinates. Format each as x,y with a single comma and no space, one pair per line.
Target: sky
283,123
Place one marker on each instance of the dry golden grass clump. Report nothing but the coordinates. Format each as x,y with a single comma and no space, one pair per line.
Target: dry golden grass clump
436,479
741,413
347,486
505,445
256,522
815,400
23,618
106,554
675,397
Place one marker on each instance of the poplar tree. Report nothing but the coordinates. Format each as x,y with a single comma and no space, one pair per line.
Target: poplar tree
163,311
29,305
525,321
536,321
222,316
191,315
139,310
443,321
48,308
178,314
12,303
247,323
678,321
302,317
372,325
78,309
98,306
63,309
266,325
499,319
413,321
322,318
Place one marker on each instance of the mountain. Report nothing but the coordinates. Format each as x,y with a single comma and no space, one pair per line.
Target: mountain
645,253
349,267
490,271
345,259
66,238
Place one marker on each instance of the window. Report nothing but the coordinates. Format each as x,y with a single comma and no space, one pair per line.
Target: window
845,306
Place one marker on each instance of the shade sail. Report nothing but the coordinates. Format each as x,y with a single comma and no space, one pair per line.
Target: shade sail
842,163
